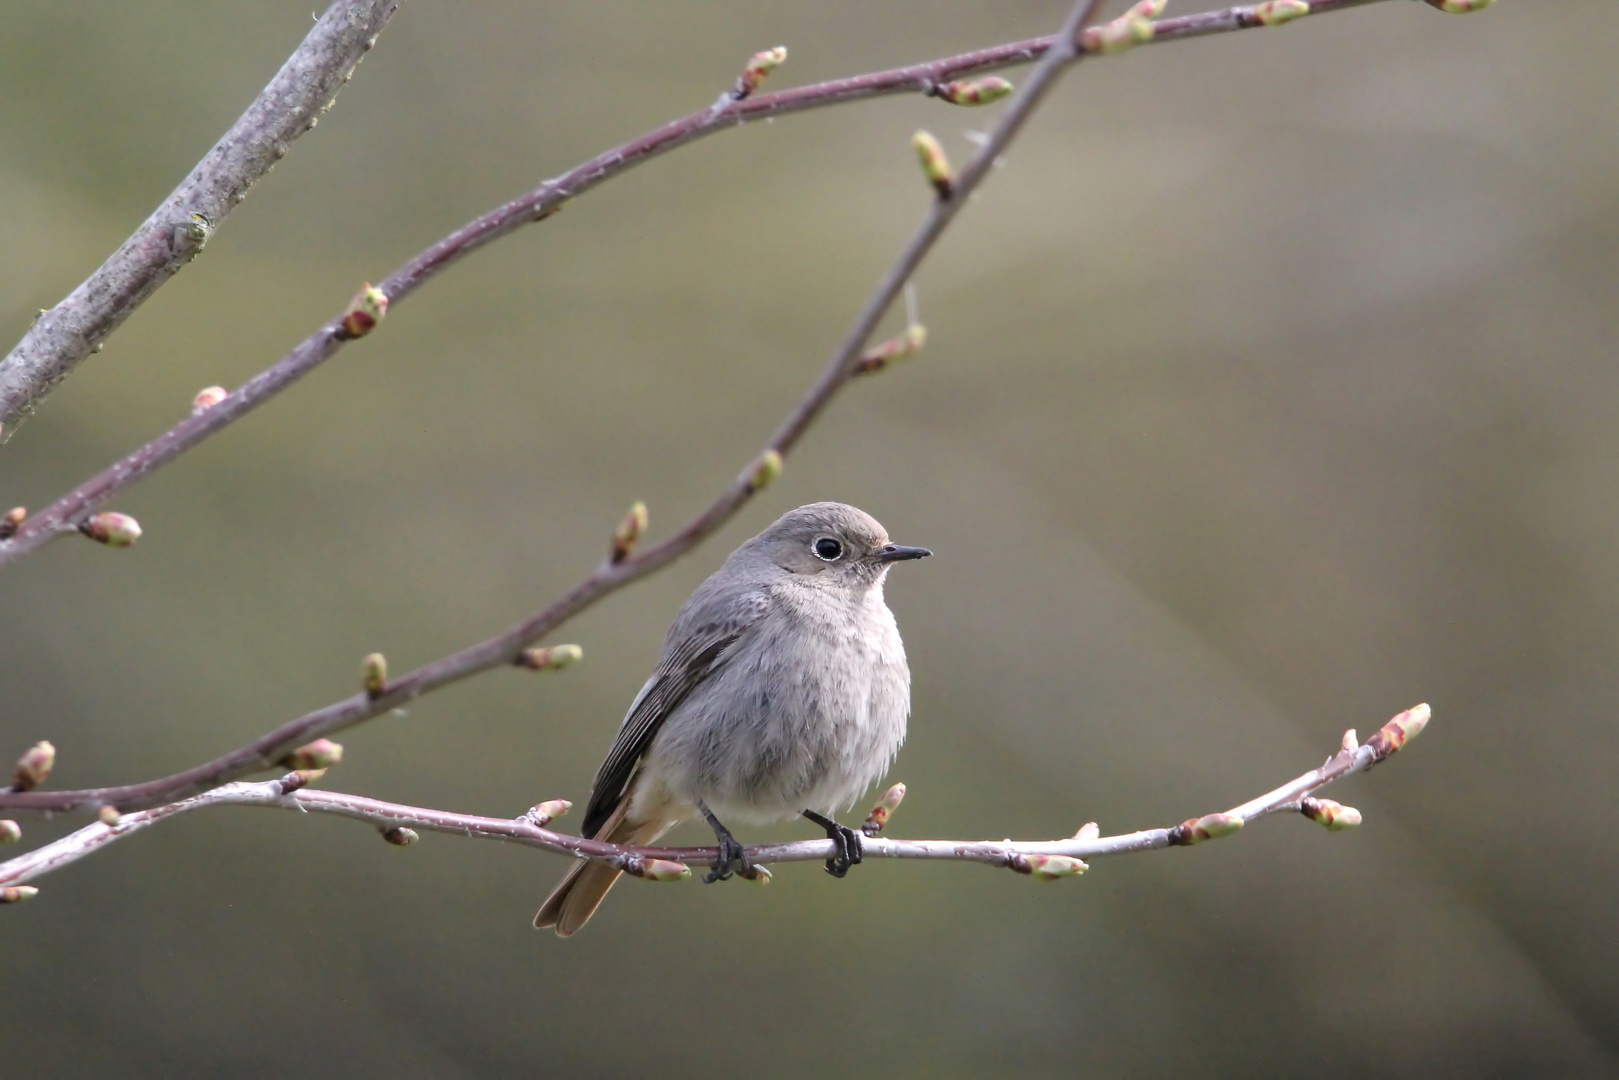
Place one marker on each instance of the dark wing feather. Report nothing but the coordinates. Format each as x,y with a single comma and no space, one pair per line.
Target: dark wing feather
689,658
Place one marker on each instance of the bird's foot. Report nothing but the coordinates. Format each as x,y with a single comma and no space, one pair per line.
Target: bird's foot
732,857
849,848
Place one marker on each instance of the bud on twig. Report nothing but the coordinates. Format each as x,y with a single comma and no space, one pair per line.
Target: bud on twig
756,874
935,166
399,836
1208,827
1350,744
883,810
1335,816
1133,28
207,398
765,468
12,521
321,754
109,816
114,530
973,91
34,767
550,658
759,68
656,869
629,532
14,894
1394,734
374,674
1277,12
366,310
1088,831
1459,7
302,778
1048,867
893,350
10,831
546,812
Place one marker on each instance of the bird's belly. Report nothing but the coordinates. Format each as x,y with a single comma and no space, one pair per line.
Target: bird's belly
780,733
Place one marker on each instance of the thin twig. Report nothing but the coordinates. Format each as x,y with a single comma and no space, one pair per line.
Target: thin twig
66,513
1024,856
300,93
613,574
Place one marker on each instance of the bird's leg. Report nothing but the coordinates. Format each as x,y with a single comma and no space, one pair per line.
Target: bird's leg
850,850
731,857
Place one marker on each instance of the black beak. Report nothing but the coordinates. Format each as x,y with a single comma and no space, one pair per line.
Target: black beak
896,553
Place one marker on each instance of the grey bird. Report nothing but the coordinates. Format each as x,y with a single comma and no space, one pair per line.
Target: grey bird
782,690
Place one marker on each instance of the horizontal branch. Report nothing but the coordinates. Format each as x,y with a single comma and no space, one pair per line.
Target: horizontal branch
290,105
622,567
1042,858
66,514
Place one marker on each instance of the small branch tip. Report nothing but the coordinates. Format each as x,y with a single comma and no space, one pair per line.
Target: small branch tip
1334,816
319,755
629,532
550,658
1208,827
34,767
765,468
16,894
10,831
207,398
546,812
1277,12
366,310
935,166
655,869
883,810
374,675
1047,867
12,521
760,65
113,529
972,92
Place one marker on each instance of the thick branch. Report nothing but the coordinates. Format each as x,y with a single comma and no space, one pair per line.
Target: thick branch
264,751
64,515
301,91
288,793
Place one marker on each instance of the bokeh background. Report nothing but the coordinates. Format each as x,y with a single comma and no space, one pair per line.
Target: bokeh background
1271,389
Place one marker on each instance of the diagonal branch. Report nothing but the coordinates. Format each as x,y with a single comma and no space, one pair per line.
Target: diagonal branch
290,105
67,513
613,574
1042,858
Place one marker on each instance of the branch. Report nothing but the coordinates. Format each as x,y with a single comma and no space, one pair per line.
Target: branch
622,566
1041,858
69,512
290,105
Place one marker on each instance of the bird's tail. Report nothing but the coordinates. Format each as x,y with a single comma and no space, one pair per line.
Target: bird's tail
580,892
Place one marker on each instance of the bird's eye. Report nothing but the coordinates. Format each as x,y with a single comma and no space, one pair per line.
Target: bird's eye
828,549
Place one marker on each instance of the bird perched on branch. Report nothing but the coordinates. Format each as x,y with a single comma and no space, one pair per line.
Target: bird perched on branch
782,690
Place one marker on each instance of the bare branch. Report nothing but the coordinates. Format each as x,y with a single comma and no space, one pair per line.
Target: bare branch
64,516
618,570
1042,858
290,105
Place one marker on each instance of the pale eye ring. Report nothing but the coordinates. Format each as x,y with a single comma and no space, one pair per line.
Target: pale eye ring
827,549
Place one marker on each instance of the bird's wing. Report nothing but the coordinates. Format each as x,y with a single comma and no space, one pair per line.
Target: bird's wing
698,649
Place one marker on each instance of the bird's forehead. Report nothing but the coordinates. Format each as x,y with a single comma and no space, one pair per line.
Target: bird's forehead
818,519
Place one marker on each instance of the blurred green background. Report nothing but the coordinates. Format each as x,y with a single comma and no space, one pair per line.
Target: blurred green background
1270,390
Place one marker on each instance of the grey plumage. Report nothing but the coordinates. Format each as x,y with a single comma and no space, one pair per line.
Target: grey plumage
782,687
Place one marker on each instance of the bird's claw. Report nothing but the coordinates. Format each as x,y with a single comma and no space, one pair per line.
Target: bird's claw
849,848
731,859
